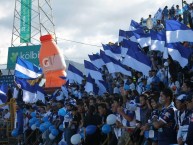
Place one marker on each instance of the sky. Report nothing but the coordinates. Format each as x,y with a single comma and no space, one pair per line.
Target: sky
93,22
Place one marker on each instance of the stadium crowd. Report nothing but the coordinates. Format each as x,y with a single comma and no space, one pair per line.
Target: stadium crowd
153,110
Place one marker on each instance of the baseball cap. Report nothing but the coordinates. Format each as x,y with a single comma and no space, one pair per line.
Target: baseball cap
181,98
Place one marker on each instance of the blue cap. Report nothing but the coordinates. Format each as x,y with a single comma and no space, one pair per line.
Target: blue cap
181,98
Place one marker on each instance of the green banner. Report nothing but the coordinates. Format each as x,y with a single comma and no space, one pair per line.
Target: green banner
25,21
30,53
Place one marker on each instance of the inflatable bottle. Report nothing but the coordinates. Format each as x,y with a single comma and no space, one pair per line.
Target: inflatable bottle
52,62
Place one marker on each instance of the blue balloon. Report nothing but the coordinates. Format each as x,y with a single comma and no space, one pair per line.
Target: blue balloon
62,112
106,129
61,127
37,123
32,120
90,129
54,132
126,87
42,128
51,127
47,124
45,119
14,133
33,114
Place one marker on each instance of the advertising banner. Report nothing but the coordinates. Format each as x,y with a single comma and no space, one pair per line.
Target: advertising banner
25,21
30,53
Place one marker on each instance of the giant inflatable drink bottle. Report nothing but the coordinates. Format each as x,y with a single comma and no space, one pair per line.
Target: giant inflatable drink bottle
52,62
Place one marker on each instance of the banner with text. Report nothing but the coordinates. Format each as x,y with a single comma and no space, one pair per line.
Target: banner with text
25,21
30,53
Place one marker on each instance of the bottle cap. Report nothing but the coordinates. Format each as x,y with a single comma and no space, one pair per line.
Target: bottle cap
46,37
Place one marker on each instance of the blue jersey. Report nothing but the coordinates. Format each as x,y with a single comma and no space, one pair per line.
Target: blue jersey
167,134
155,114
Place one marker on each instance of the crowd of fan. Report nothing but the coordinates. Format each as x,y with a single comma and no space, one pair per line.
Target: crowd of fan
157,109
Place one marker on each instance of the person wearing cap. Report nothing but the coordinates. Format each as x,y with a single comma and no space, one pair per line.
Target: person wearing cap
189,138
125,118
182,118
181,108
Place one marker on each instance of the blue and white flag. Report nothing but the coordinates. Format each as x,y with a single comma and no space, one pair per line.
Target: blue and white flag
178,32
65,91
26,70
179,53
144,39
29,91
90,85
127,44
158,14
3,92
40,94
137,60
134,25
96,60
92,70
126,35
158,40
74,74
112,51
102,85
114,65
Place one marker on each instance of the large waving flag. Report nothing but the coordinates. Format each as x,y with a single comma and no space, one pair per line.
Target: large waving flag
26,70
40,94
92,70
96,60
29,91
134,25
158,40
144,39
112,51
126,35
3,92
127,44
90,85
137,60
179,53
178,32
114,65
74,74
102,85
158,14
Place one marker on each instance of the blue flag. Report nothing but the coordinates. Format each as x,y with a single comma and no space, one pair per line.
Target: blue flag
26,70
